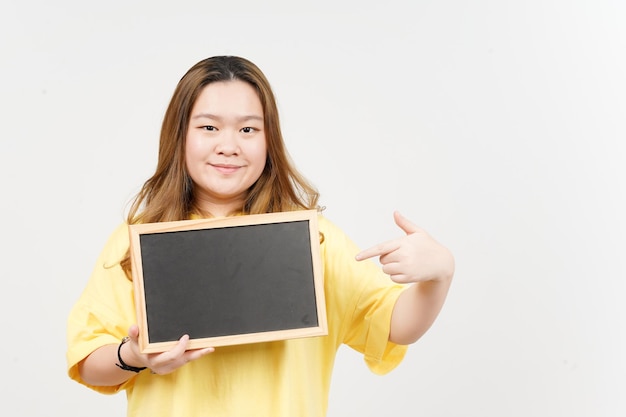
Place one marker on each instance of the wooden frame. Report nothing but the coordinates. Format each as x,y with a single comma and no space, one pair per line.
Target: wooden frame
227,281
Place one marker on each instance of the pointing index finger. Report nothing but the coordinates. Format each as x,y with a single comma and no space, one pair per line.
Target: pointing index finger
377,250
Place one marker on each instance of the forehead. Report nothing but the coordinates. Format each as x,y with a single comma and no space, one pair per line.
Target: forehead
229,97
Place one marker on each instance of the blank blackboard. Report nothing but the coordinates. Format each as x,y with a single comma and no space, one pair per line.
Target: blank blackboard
228,281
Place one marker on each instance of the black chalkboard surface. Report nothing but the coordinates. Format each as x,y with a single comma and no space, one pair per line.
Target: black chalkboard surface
228,281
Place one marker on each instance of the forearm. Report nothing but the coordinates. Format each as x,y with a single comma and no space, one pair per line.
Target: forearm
99,367
417,308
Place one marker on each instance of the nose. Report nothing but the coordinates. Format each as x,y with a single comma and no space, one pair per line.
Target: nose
228,143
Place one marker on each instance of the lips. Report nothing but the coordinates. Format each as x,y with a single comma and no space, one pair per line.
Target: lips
225,168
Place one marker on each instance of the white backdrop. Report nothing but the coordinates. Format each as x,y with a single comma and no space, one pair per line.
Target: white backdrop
499,126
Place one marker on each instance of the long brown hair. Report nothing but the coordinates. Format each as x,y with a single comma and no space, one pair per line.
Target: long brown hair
169,194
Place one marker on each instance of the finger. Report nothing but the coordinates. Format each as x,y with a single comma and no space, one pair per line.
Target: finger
378,250
194,354
401,278
392,268
389,258
179,349
396,272
403,223
133,332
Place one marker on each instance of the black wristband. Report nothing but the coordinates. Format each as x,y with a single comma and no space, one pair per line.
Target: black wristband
122,365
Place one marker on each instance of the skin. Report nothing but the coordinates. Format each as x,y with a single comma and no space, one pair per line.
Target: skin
419,259
225,154
225,150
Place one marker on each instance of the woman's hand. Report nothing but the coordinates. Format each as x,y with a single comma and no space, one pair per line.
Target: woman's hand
165,362
414,257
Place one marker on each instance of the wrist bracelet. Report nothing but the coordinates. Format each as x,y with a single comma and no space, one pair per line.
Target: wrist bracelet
122,365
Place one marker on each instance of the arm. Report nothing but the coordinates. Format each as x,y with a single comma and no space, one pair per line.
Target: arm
418,259
416,310
99,367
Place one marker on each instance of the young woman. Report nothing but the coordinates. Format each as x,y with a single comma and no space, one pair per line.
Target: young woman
221,153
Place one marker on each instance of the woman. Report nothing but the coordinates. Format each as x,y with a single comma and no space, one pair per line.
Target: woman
221,153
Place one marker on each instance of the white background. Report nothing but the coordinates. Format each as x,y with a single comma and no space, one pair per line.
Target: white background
498,126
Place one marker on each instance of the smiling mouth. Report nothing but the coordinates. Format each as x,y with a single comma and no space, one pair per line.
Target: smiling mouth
225,168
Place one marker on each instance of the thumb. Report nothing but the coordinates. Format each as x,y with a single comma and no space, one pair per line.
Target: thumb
403,223
133,332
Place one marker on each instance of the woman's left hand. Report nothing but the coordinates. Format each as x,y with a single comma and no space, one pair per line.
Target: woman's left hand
415,257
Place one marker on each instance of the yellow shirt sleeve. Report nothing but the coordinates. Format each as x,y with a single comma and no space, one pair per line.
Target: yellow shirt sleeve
360,299
105,309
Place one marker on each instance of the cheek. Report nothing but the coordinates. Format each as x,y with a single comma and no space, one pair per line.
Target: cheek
261,155
192,155
256,152
191,147
194,150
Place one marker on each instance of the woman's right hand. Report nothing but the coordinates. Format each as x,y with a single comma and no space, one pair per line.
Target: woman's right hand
164,362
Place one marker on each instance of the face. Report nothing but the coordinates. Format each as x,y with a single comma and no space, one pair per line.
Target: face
225,148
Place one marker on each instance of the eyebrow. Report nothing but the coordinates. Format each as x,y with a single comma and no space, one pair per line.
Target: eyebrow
215,117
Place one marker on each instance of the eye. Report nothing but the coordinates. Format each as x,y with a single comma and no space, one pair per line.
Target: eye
209,128
248,129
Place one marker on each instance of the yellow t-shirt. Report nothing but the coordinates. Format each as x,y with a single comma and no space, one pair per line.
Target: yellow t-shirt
283,378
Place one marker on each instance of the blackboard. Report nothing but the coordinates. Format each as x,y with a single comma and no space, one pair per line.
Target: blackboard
227,281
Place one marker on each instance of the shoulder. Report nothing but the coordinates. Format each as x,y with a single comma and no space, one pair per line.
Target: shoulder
333,238
118,242
327,226
120,234
329,231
